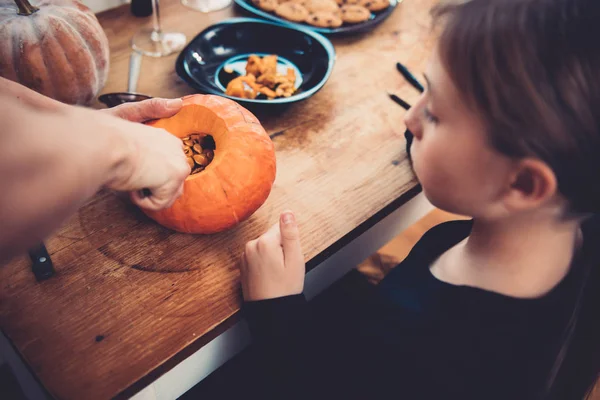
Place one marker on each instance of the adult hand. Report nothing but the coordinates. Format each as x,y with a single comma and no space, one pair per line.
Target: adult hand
157,162
146,110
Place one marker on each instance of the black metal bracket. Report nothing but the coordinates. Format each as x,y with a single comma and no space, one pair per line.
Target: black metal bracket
41,262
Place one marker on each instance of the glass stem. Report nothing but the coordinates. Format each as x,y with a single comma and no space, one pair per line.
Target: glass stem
157,32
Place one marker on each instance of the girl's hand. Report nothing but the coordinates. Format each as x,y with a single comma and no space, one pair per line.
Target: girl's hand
273,265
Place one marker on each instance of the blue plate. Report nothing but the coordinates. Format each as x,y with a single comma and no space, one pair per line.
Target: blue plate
376,18
207,61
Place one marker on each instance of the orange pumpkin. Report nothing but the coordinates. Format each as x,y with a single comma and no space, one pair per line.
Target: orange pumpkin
55,47
239,178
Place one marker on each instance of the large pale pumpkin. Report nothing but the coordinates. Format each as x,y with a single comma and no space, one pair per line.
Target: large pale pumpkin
55,47
239,178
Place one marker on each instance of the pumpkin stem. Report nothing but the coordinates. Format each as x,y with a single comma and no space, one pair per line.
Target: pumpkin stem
25,7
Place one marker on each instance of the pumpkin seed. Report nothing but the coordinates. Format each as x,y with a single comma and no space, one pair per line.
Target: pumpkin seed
190,162
198,156
201,159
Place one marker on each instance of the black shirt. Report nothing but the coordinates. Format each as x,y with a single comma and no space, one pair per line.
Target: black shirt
415,337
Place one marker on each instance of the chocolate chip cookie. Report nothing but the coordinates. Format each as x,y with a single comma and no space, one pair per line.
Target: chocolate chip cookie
353,14
375,5
314,6
347,2
325,19
292,12
267,5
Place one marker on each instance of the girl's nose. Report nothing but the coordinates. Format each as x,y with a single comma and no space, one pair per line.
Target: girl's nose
413,122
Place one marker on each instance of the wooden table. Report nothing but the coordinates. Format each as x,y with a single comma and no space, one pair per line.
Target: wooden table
132,300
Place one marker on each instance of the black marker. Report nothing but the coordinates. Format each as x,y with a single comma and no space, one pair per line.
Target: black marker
410,77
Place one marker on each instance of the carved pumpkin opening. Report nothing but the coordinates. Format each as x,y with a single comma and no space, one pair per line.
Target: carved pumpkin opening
199,149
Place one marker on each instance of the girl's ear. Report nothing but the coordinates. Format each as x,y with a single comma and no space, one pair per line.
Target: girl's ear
532,184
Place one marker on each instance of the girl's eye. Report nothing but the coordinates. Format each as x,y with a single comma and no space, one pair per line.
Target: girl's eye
429,116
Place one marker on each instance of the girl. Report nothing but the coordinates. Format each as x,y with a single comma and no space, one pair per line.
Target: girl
500,307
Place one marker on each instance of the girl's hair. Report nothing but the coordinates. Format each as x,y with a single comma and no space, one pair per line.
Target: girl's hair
531,70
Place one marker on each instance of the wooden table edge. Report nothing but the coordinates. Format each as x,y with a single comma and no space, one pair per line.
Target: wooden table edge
186,352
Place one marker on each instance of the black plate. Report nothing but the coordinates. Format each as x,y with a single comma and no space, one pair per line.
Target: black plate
376,18
229,43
